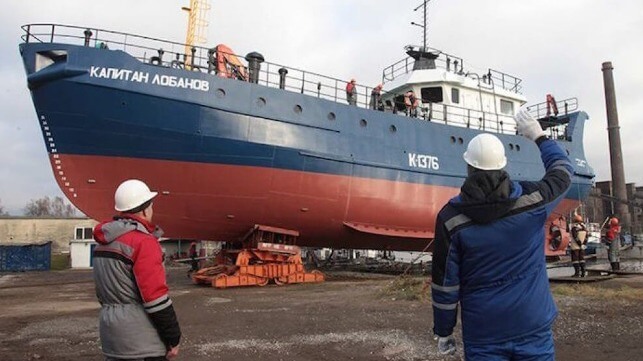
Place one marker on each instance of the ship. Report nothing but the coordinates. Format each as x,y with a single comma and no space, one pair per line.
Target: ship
231,142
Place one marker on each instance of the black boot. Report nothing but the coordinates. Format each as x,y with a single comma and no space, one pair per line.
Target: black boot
618,266
576,269
582,269
613,264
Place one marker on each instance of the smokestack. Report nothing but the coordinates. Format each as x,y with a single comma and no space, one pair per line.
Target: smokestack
616,155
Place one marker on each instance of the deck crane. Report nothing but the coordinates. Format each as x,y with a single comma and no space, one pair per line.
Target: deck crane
197,27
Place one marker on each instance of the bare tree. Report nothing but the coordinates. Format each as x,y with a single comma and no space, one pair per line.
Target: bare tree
3,213
49,207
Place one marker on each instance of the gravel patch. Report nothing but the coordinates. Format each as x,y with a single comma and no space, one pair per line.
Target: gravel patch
394,345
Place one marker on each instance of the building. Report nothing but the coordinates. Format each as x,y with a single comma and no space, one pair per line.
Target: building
601,204
60,231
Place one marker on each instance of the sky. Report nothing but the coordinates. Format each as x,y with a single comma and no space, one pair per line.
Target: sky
554,46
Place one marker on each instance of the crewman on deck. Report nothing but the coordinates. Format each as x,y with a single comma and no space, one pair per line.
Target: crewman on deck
376,98
351,92
412,103
489,257
613,236
577,245
136,319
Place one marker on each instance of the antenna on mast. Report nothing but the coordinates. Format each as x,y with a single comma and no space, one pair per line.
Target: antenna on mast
424,24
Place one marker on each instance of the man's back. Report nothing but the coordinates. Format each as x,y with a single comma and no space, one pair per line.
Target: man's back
502,274
137,319
489,253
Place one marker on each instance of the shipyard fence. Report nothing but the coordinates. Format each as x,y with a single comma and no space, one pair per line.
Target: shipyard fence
165,53
25,257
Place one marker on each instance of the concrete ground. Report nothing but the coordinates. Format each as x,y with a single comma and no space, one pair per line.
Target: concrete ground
52,316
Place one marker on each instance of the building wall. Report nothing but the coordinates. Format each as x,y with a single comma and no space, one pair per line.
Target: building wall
80,254
35,230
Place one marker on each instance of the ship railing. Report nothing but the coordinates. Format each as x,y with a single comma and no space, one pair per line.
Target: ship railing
554,118
173,54
456,65
545,109
505,81
465,117
405,66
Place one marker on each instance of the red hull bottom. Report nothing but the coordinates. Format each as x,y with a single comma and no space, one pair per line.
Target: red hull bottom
222,202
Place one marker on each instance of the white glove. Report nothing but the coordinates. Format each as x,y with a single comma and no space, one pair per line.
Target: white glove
528,126
446,345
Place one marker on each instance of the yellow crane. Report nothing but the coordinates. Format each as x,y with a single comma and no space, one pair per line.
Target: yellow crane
197,27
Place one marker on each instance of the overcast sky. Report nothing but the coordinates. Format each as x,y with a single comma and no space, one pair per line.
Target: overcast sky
555,46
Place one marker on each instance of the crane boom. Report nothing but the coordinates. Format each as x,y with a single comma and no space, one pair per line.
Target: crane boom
197,27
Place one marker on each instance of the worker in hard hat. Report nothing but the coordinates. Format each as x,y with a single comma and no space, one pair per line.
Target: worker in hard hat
613,236
579,239
489,254
137,319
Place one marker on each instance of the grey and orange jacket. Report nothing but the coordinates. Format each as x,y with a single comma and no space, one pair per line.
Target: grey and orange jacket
489,254
137,319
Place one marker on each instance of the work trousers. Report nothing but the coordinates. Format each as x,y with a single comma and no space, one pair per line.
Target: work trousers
613,253
578,256
536,347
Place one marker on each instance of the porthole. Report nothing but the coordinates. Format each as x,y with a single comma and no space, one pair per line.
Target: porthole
220,93
297,109
452,139
511,146
331,116
392,129
460,140
261,102
517,147
363,122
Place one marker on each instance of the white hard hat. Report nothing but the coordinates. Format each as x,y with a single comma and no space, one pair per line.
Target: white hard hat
131,194
485,151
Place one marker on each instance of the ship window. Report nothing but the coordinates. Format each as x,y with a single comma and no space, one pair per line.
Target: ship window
455,95
432,95
506,107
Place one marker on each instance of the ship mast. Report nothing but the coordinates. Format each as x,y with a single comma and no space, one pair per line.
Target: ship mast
424,24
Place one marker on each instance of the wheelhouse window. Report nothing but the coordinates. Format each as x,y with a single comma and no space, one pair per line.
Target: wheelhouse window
506,107
432,95
455,95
